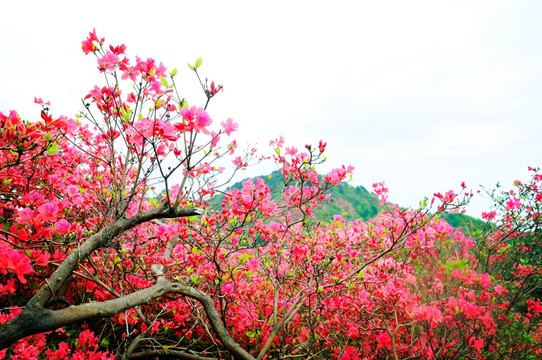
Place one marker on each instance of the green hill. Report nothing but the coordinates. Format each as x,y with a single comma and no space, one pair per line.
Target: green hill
351,202
355,202
468,223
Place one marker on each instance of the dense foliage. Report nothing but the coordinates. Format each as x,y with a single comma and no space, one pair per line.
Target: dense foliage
110,247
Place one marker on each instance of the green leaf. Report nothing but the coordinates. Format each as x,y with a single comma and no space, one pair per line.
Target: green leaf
191,67
164,81
198,62
173,72
52,149
47,136
7,181
123,113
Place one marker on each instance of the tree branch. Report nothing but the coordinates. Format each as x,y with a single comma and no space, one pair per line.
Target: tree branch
36,319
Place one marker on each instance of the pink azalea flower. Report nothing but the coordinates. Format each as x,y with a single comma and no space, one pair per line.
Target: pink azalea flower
215,137
229,126
40,101
13,119
534,306
167,131
500,290
108,62
322,146
48,211
131,73
489,215
228,288
513,204
61,122
17,262
350,353
41,258
26,216
62,227
88,45
383,340
238,161
189,114
446,198
278,142
202,121
291,150
476,343
117,50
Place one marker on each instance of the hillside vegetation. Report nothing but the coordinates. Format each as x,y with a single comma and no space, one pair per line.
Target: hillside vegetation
356,202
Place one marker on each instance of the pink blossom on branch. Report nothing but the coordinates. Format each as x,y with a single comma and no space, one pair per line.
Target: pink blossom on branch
89,44
322,146
229,126
202,121
337,175
448,197
108,62
238,161
381,191
513,203
489,215
278,143
117,50
534,306
62,227
48,212
15,261
41,102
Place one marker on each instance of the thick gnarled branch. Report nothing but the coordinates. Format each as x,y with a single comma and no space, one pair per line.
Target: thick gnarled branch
35,318
33,322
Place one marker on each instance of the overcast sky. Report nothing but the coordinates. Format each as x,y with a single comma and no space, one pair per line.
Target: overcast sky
420,94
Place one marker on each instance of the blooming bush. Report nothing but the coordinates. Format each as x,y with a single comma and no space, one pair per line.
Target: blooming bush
117,242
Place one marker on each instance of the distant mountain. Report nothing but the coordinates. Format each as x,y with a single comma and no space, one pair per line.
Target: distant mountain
469,224
352,202
355,202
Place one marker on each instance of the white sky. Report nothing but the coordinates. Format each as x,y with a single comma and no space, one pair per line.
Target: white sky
420,94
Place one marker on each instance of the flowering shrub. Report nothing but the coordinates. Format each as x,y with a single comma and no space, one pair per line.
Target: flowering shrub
113,247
